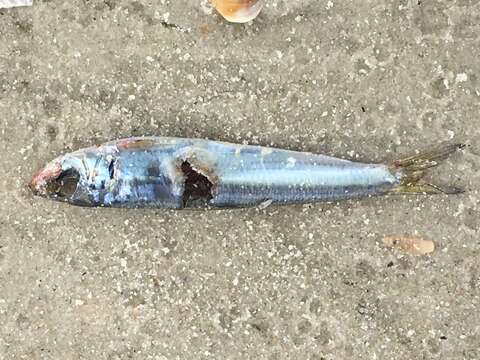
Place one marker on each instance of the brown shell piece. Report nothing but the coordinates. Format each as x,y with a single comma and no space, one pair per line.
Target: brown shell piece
238,11
413,245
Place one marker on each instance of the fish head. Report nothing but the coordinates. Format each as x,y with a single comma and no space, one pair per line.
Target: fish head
81,178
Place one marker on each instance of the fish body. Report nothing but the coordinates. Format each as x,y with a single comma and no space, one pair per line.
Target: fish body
177,173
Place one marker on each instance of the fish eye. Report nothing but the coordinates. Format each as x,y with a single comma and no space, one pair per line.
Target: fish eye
65,184
111,169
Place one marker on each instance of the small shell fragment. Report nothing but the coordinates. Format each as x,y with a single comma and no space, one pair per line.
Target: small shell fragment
238,11
14,3
265,204
413,245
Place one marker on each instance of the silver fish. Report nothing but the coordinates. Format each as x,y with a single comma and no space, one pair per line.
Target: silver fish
178,173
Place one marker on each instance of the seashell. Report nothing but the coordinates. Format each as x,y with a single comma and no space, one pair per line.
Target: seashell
238,11
410,244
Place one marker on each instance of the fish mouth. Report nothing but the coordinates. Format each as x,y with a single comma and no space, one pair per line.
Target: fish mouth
54,181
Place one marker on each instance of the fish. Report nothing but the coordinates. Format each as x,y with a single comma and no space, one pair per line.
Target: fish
238,11
181,173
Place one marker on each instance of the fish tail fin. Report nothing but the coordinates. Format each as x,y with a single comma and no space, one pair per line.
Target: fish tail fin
411,171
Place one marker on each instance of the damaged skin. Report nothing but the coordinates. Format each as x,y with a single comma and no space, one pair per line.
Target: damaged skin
135,144
198,188
64,185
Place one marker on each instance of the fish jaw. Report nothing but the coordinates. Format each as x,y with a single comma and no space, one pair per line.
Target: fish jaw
41,180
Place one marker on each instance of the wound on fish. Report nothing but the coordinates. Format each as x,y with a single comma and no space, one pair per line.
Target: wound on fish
198,188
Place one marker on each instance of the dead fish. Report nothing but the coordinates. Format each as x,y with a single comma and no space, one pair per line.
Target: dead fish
414,245
238,11
178,173
15,3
